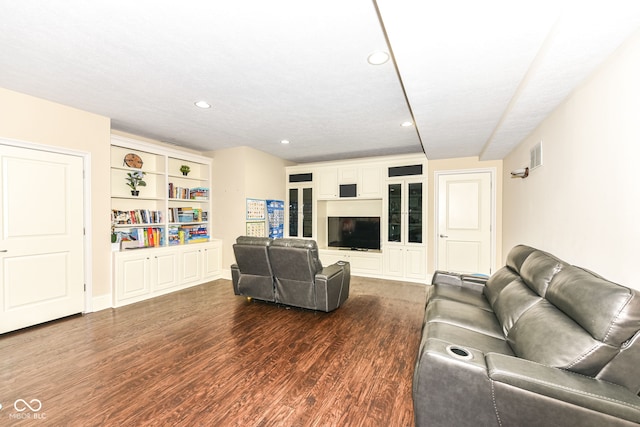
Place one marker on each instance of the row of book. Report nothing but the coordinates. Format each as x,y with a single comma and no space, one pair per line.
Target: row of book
187,234
136,216
184,193
187,215
141,237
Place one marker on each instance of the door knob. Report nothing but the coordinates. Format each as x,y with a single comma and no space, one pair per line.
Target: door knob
443,236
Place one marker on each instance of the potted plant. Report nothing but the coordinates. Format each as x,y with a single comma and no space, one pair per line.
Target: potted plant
185,170
134,180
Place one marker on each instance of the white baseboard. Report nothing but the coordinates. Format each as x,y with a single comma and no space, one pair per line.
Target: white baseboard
226,274
101,302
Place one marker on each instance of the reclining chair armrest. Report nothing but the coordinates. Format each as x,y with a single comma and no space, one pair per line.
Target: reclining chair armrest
332,285
329,271
472,281
562,387
235,278
446,278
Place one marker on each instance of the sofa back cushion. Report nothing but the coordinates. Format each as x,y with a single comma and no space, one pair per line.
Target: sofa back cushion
608,311
501,278
517,256
560,315
546,335
512,302
539,269
252,255
581,323
295,259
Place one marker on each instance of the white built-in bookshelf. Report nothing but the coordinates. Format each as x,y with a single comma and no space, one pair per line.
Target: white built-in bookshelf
163,235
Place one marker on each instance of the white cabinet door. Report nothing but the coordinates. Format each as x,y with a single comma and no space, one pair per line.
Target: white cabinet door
327,183
132,276
415,263
191,263
41,240
348,175
370,182
393,261
405,251
366,263
164,270
212,260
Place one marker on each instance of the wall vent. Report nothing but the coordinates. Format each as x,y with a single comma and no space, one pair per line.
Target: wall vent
535,156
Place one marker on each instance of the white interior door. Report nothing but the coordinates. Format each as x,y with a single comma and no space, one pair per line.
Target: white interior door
41,242
464,222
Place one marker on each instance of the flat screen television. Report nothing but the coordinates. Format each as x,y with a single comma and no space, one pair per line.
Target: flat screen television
354,232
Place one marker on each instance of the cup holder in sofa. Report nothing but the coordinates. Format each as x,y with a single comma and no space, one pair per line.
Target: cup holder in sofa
459,352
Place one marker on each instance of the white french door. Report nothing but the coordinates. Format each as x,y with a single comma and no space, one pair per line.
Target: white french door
41,238
464,222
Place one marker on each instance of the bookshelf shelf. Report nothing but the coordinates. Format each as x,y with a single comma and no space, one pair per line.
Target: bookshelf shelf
167,191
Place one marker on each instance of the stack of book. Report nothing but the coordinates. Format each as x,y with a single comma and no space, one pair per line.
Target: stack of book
136,216
199,193
195,234
187,215
184,193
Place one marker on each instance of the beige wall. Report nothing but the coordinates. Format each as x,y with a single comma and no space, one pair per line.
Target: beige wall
240,173
460,164
34,120
583,204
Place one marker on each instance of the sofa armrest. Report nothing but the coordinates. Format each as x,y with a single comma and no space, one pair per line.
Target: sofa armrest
561,387
446,277
472,281
332,285
329,271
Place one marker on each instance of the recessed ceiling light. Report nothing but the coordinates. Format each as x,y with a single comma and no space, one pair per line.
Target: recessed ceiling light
378,58
406,124
203,104
284,141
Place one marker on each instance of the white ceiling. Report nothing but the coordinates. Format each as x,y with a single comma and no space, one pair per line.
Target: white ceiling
478,76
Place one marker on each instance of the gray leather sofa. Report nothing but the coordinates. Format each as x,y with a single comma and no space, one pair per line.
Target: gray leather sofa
541,343
288,271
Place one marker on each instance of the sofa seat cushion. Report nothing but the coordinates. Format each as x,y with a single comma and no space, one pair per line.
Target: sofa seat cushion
459,294
465,316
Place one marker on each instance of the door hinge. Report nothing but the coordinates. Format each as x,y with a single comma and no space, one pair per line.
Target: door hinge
85,287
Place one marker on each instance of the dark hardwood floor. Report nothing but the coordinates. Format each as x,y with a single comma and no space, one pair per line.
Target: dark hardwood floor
205,357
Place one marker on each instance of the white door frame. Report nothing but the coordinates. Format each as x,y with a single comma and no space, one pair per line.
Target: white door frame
437,174
86,166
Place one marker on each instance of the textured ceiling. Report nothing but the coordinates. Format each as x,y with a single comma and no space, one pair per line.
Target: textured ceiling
478,78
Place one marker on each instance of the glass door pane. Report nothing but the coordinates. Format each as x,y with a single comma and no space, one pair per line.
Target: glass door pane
307,212
293,212
395,212
415,212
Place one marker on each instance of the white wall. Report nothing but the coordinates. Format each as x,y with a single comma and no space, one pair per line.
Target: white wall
240,173
30,119
583,204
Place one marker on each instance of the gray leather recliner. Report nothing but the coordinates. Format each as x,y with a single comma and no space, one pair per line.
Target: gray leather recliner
251,274
301,280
